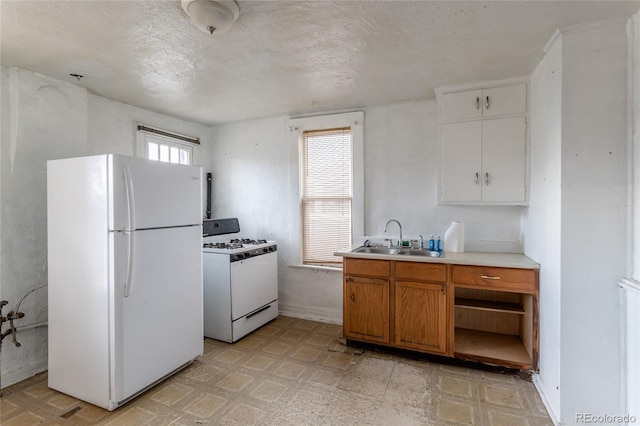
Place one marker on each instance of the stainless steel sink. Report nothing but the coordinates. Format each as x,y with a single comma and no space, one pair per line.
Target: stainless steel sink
377,250
419,252
396,251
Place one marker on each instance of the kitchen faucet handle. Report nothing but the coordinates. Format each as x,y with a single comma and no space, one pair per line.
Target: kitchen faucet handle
389,242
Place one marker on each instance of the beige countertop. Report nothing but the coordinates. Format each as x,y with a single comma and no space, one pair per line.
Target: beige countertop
502,260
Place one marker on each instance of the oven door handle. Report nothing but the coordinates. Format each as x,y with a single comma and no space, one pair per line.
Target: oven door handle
254,313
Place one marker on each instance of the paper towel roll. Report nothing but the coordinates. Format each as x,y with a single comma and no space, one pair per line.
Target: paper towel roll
454,237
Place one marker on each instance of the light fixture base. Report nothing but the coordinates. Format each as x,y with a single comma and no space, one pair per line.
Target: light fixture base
212,16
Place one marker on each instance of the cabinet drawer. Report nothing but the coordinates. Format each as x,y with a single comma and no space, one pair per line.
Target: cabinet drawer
505,279
421,271
370,268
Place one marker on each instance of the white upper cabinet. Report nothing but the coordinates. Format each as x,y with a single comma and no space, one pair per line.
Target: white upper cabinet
503,160
483,134
462,105
477,103
462,157
504,100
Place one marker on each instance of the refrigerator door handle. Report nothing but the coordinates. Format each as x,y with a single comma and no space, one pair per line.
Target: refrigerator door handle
130,199
130,243
132,225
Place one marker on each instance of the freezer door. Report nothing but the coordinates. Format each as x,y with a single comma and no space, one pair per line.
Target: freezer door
158,313
151,194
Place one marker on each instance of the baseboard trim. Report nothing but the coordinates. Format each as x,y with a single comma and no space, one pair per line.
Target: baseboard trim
330,316
538,384
13,377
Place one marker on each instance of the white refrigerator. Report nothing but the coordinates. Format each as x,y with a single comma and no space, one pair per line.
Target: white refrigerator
125,274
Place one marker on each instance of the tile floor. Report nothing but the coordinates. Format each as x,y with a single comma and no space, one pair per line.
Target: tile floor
297,372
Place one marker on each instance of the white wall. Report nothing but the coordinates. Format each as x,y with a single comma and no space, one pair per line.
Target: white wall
47,120
541,221
594,196
635,261
630,289
44,119
579,163
252,181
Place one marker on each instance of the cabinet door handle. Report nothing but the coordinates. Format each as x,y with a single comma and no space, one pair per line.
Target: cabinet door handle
486,178
487,103
489,277
477,102
353,297
477,177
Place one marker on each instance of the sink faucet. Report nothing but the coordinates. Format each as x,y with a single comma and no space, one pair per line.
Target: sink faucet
399,226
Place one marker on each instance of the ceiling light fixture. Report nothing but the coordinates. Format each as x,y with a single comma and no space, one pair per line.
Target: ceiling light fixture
210,16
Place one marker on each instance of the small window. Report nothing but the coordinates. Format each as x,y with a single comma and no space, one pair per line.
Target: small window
163,146
326,183
168,151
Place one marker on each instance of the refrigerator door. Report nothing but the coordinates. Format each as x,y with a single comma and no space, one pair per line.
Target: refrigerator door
158,305
150,194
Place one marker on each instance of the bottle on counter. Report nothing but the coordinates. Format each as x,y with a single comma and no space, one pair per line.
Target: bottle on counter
454,237
438,244
432,243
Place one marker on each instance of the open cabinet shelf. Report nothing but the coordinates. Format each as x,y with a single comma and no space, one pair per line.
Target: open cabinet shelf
492,348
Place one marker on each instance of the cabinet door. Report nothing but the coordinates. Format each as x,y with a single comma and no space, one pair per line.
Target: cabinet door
504,100
366,309
421,316
503,160
462,105
461,161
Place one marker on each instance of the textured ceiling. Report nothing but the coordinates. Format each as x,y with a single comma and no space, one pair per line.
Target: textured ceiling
283,57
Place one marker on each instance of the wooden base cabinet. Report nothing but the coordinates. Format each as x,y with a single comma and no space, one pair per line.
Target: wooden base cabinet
366,307
366,300
400,304
476,313
421,316
496,315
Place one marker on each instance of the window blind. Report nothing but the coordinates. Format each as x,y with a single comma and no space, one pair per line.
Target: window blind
326,194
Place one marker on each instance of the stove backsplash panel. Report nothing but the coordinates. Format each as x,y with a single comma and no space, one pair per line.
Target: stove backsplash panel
212,227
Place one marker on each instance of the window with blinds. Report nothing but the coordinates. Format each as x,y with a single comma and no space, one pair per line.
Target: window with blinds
326,181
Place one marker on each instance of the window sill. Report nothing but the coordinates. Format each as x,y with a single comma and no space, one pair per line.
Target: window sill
315,267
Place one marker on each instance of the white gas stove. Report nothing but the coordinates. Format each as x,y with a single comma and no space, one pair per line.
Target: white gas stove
240,281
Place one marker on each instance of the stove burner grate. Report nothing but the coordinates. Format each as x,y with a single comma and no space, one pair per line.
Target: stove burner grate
248,241
229,246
